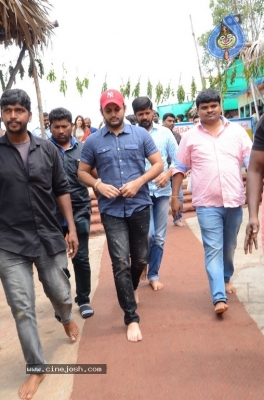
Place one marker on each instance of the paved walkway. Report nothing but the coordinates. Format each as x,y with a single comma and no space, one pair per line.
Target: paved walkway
186,353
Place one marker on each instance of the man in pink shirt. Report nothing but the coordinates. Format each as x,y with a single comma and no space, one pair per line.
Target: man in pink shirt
215,150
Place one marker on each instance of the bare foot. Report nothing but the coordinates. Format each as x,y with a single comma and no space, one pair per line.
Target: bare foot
230,288
179,223
71,330
136,296
133,332
143,275
156,285
220,307
29,388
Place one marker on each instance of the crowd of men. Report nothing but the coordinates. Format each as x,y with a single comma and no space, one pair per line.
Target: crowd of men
135,171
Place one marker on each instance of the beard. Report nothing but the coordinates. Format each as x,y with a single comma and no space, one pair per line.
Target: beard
20,128
145,123
114,124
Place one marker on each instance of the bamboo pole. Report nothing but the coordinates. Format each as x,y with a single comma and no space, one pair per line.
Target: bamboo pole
39,99
197,54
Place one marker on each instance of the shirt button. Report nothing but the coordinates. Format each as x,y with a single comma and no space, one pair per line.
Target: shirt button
120,160
118,148
121,172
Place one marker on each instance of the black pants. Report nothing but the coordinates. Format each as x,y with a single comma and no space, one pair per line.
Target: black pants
81,264
127,237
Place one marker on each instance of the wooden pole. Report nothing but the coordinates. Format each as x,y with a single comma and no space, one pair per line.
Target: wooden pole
235,6
196,48
36,81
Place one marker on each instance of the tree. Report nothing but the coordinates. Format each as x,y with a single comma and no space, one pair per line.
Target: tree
25,24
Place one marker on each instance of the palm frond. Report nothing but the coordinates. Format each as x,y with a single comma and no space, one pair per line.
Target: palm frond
25,21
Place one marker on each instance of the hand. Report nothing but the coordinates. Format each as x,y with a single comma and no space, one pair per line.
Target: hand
175,206
162,180
251,235
108,191
73,243
130,189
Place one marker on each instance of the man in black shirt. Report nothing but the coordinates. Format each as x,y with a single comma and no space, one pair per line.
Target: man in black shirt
254,187
70,152
31,174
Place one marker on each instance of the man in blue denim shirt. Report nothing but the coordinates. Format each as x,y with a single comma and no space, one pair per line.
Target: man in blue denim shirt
118,152
160,188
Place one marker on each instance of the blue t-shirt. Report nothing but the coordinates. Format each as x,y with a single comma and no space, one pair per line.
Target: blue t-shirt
118,160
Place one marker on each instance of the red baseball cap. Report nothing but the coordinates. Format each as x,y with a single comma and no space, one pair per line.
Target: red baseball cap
111,96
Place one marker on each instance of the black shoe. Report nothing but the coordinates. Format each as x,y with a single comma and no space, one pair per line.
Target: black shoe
86,310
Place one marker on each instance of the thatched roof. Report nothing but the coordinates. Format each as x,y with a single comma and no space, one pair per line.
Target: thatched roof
25,21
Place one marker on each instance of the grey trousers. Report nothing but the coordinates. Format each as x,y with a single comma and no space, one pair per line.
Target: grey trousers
16,274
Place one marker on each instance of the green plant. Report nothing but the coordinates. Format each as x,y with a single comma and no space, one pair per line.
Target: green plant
136,90
159,92
180,94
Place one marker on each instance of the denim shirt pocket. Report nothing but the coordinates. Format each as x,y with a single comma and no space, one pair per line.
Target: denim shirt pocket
132,151
104,154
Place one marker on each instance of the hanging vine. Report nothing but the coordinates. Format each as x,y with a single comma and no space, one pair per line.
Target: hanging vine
159,92
63,82
180,94
104,86
128,88
193,89
136,90
149,89
166,93
51,77
40,68
233,75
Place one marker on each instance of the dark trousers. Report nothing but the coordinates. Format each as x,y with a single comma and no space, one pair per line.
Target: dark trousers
81,262
127,238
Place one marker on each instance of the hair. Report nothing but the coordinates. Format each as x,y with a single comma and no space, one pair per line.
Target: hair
132,119
195,116
141,103
167,115
45,114
57,114
156,112
206,96
180,117
83,126
13,96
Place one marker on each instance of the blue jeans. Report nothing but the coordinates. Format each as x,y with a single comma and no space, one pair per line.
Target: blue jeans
127,238
157,234
179,216
219,229
16,273
81,264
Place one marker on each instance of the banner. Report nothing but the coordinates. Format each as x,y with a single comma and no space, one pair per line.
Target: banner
246,123
227,39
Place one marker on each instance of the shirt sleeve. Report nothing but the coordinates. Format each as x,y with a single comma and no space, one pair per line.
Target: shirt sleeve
183,158
172,148
87,155
60,184
258,143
